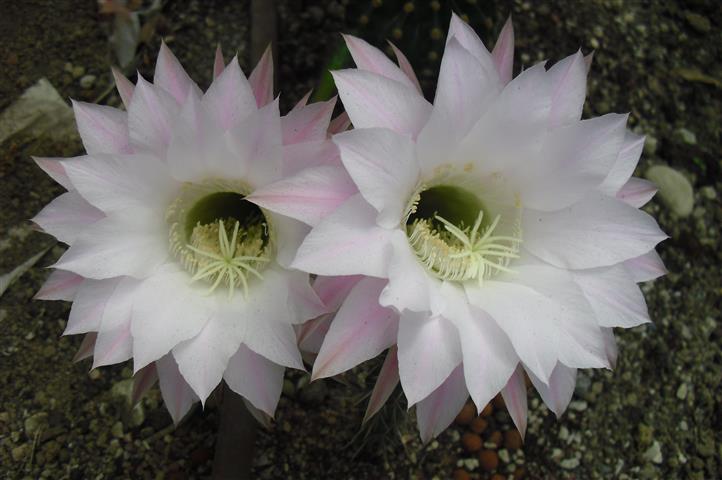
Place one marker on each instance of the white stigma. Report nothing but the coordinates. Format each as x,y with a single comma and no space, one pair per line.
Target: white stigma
473,253
224,265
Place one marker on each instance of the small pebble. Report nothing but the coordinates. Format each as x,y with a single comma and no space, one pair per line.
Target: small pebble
496,438
512,439
519,473
578,405
686,136
466,415
87,81
77,71
471,442
478,425
461,474
569,463
708,192
654,453
674,189
489,460
682,391
498,476
504,455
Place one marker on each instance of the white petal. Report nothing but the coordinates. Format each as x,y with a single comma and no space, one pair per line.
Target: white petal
614,296
624,165
369,58
597,231
170,75
230,97
88,305
118,245
468,38
308,123
610,345
569,77
307,196
103,129
372,100
66,216
55,170
514,395
255,147
255,378
383,166
463,93
203,358
557,393
114,343
150,116
385,384
289,235
177,394
503,53
167,310
410,285
121,182
574,160
646,267
361,330
347,242
333,290
436,412
637,192
429,350
60,285
488,355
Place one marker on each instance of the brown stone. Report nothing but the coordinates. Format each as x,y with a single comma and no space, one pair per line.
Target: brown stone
489,460
466,415
461,474
488,410
496,438
512,439
478,425
471,442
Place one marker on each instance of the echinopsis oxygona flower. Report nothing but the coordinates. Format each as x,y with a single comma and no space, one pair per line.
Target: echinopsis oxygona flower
170,263
498,233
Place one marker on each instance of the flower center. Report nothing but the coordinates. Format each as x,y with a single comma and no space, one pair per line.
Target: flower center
218,236
456,239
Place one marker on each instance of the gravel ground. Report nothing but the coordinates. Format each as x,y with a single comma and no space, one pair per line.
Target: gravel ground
657,415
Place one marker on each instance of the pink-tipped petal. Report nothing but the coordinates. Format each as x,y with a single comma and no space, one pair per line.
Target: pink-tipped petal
86,347
503,53
333,290
339,124
624,165
514,394
124,86
88,306
230,97
373,100
637,192
614,296
558,391
150,116
436,412
302,102
569,78
60,285
361,330
170,75
406,67
429,350
103,129
66,216
310,335
114,344
598,231
308,123
255,378
469,40
218,63
646,267
346,242
371,59
261,79
55,170
610,346
385,384
142,382
177,394
383,166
